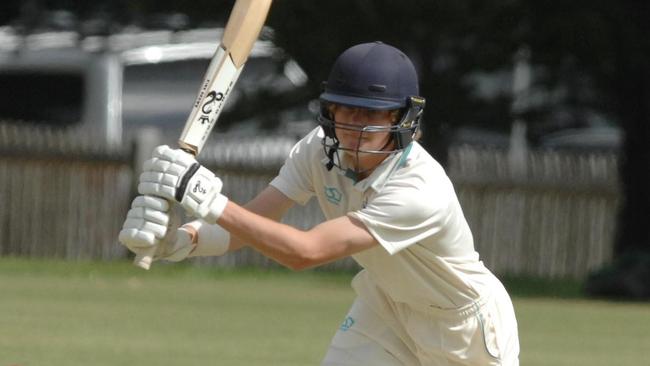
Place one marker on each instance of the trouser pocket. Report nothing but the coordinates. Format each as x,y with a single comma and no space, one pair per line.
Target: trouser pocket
468,339
489,334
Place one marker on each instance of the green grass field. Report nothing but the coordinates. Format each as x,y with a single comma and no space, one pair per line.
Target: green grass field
58,313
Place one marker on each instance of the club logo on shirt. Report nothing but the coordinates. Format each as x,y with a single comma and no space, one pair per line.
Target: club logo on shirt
333,195
348,322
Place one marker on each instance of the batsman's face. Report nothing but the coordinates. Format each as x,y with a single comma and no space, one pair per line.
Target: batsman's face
350,122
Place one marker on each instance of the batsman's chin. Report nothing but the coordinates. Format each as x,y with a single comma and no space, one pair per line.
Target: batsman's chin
360,152
352,148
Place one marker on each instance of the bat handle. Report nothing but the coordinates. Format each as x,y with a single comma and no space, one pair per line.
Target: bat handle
143,260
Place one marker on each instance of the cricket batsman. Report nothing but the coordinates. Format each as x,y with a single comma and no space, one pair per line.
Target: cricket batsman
423,296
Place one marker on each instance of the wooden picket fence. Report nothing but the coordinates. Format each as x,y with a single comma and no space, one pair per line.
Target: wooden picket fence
59,193
63,196
557,218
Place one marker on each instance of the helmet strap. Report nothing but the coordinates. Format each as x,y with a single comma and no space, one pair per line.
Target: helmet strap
330,154
404,136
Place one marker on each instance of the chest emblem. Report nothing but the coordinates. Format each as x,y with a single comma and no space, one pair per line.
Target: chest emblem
348,322
333,195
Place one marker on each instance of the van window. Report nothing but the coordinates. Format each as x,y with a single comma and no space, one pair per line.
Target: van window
161,94
52,98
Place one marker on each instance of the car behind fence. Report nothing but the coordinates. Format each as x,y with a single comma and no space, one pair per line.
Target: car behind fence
63,196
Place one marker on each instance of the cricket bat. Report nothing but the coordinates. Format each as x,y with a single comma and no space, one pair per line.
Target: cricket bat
241,32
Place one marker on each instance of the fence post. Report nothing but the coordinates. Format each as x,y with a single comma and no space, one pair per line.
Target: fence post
146,139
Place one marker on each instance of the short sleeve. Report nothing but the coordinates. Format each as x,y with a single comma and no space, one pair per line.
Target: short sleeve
405,212
295,177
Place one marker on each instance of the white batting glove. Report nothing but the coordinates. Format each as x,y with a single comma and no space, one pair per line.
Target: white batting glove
146,224
175,175
149,223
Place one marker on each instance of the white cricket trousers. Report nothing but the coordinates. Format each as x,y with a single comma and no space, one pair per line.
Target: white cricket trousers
388,333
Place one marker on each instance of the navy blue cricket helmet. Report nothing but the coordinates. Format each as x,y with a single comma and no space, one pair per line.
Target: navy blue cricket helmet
373,76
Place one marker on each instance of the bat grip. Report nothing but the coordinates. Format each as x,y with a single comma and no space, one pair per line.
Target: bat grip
143,260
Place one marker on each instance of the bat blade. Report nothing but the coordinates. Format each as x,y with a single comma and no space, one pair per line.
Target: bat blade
215,89
243,28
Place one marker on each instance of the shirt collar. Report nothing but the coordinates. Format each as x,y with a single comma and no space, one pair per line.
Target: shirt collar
382,172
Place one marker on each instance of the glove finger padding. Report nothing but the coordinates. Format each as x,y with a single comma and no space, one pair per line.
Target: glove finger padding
163,178
139,223
135,239
177,156
176,175
163,173
158,184
153,216
155,203
146,223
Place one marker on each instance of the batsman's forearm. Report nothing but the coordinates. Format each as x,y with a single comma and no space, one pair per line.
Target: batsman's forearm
282,243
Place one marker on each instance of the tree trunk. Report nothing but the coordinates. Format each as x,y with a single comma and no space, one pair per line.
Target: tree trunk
629,274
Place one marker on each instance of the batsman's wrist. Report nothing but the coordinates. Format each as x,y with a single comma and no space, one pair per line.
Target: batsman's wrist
213,240
212,210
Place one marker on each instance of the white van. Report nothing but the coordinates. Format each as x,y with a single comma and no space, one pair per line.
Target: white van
110,86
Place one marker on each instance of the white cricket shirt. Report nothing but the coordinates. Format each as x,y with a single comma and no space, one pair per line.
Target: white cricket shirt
408,204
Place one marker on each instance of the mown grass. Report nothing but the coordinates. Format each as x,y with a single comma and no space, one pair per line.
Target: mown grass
62,313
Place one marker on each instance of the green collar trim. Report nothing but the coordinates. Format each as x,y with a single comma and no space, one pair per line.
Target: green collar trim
405,154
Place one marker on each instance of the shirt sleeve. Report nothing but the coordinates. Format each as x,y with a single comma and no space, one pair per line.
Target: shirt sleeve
295,177
405,212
